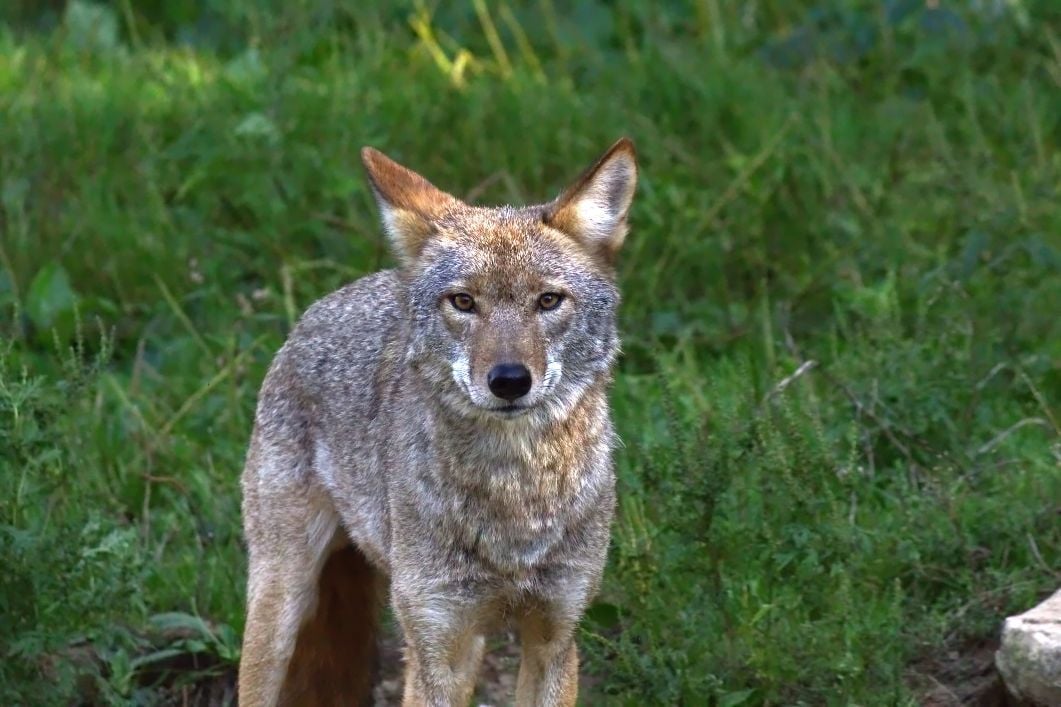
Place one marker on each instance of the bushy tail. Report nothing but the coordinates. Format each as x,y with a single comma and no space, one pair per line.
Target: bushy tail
335,658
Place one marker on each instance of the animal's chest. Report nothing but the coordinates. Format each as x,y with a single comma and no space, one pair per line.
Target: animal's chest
513,520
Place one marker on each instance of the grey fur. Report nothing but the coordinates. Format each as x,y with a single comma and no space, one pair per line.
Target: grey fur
375,425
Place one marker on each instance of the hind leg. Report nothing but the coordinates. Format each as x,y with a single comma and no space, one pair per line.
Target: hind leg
290,533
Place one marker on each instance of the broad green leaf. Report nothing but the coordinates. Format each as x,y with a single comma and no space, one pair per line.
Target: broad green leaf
732,699
51,300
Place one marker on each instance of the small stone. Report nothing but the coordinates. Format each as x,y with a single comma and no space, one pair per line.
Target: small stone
1029,657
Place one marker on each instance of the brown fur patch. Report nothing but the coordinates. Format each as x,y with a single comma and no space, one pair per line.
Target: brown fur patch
336,650
410,203
563,213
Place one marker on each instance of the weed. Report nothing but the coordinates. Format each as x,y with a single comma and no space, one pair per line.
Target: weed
838,393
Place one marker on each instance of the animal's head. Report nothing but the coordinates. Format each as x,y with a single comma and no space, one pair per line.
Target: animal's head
512,309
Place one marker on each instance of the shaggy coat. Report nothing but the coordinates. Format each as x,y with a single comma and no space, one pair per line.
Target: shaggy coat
387,451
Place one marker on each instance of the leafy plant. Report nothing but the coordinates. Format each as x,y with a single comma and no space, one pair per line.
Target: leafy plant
838,392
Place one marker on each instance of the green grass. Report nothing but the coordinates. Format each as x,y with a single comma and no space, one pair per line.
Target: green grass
871,188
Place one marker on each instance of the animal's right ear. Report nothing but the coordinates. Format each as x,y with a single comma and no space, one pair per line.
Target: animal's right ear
409,204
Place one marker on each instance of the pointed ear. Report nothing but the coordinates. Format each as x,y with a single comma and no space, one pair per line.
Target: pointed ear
593,210
409,204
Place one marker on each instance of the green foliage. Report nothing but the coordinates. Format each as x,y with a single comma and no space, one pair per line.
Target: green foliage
838,395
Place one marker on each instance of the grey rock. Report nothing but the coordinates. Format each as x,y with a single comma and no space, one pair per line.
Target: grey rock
1029,657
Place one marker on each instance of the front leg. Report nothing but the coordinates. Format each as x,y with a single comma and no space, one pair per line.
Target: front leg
548,671
443,647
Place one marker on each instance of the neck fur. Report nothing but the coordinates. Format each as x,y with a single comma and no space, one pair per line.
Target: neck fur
525,455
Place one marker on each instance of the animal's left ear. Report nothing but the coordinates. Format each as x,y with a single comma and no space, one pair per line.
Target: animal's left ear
593,210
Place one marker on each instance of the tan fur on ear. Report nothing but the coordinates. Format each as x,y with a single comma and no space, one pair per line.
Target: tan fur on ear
593,210
408,203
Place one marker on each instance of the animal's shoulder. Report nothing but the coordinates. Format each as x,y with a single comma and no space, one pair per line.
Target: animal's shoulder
364,303
338,344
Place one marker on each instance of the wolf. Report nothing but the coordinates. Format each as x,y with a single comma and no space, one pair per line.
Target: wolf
440,431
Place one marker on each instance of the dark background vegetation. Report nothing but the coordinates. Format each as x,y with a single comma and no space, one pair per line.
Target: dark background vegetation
839,390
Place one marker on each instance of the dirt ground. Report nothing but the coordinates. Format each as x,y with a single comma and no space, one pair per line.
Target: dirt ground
496,685
964,677
497,679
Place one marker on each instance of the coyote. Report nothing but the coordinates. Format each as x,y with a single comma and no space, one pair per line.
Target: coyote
442,430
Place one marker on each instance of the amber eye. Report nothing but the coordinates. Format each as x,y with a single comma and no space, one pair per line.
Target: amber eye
550,300
463,301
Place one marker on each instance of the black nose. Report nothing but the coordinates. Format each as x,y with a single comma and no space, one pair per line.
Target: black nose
509,380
